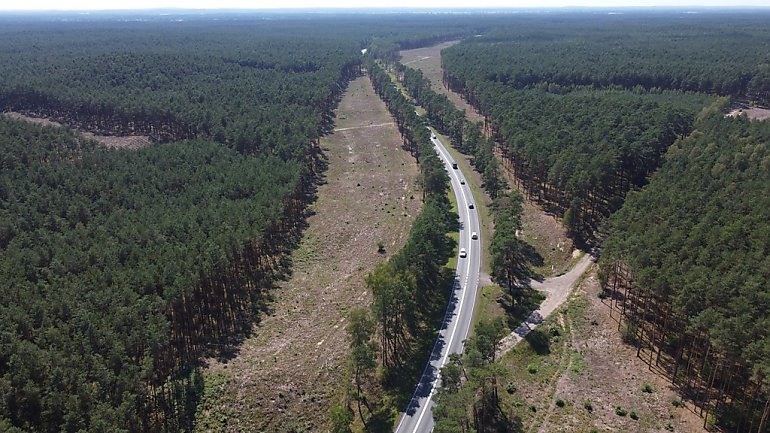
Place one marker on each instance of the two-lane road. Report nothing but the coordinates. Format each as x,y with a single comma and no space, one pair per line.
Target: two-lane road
418,417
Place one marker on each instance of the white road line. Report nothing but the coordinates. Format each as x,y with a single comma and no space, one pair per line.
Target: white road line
462,299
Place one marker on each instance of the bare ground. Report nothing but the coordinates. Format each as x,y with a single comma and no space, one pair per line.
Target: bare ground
598,368
124,142
287,375
753,113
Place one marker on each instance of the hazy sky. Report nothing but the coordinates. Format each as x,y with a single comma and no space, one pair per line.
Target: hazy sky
270,4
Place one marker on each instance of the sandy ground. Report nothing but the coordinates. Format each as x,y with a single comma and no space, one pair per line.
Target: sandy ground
556,290
287,375
600,368
125,142
752,113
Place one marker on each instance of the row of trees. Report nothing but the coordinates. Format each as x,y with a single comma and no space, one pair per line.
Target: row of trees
580,152
468,400
464,135
410,290
686,262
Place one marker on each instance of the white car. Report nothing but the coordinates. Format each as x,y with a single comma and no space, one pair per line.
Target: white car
474,235
433,137
463,253
462,181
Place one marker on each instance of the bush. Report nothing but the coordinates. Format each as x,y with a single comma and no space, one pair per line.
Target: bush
555,332
588,406
602,294
647,388
628,333
619,411
510,388
677,402
532,408
633,415
532,368
560,403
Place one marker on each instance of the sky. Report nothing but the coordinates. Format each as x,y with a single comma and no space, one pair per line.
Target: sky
299,4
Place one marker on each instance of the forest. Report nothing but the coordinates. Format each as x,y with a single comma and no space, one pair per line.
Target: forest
607,118
687,259
120,270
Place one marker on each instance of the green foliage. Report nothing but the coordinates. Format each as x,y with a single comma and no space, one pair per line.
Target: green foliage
340,417
619,411
697,236
647,388
587,405
710,53
560,403
633,415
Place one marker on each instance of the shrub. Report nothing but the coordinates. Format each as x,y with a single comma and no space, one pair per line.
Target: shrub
628,333
633,415
532,408
647,388
560,403
510,388
619,411
677,402
532,368
588,406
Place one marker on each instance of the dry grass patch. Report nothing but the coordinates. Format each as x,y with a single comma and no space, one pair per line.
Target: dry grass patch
287,375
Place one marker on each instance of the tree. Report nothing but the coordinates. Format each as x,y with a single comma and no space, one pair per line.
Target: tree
361,330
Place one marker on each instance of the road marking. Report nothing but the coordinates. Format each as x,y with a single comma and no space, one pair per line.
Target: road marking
464,288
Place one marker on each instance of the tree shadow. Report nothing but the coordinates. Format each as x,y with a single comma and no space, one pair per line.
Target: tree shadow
539,341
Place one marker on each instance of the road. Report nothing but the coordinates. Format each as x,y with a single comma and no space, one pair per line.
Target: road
418,417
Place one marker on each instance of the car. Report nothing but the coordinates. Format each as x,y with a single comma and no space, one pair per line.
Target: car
470,205
474,235
463,253
433,137
454,165
462,181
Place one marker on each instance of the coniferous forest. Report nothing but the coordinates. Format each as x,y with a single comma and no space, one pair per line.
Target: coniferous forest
120,270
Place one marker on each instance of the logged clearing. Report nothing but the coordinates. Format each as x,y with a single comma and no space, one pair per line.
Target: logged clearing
293,367
584,378
541,230
117,142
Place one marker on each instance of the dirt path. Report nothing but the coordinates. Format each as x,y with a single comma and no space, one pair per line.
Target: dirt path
287,375
557,291
606,373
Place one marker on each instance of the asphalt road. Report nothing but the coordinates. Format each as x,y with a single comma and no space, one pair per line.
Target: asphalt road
418,417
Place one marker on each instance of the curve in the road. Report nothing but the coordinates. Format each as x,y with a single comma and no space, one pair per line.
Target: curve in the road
457,320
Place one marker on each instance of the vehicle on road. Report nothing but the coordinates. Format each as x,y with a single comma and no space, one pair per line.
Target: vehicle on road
454,165
462,181
463,253
470,205
433,137
474,235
